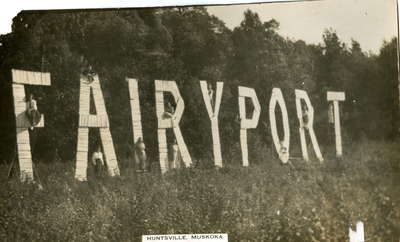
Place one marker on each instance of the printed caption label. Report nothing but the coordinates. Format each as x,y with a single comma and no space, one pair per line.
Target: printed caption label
186,238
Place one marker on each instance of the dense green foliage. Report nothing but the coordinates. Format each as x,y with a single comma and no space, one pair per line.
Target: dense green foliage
188,45
268,202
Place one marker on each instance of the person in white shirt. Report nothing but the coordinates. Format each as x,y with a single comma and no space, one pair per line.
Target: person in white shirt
32,112
283,152
98,161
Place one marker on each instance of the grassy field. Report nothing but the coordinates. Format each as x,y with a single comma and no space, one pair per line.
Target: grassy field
268,202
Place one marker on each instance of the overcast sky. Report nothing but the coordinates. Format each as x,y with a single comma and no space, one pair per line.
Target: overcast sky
367,21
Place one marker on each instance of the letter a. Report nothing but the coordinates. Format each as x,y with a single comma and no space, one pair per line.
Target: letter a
99,120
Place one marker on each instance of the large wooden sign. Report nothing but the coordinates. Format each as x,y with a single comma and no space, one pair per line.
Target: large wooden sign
212,100
165,122
98,120
19,79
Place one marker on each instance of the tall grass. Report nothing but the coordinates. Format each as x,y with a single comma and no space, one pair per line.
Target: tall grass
267,202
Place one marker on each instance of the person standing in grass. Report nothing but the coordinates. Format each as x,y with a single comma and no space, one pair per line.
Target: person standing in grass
98,162
140,156
283,152
176,161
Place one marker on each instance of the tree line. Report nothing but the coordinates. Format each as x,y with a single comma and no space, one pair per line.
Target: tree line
187,44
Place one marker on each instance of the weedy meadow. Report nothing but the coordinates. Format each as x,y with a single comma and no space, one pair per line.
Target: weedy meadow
264,202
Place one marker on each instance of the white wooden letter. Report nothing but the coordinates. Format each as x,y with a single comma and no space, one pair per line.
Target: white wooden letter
282,147
336,97
165,123
99,120
135,109
19,79
213,114
301,94
247,123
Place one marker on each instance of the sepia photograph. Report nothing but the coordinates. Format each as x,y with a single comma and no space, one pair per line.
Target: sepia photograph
274,121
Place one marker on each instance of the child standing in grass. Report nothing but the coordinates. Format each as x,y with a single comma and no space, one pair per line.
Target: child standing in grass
98,162
140,156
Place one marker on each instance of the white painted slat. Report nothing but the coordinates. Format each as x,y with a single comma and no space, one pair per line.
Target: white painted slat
182,147
218,97
206,98
109,151
24,155
82,154
243,145
31,78
133,86
216,143
163,155
245,91
338,96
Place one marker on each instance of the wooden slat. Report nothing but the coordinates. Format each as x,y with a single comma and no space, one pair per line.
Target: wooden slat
31,78
216,143
243,145
82,154
163,152
338,96
24,154
245,91
160,108
182,147
109,151
218,97
133,86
